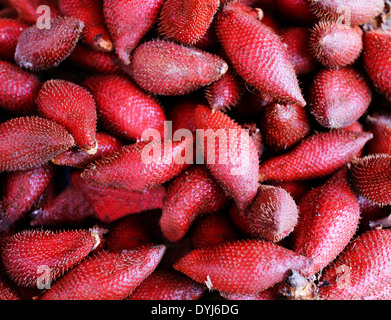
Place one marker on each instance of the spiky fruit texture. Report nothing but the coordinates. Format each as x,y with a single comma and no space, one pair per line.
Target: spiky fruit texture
314,157
356,12
128,21
190,68
246,266
73,107
283,126
107,275
42,49
212,230
266,64
18,89
28,9
167,285
361,270
193,193
334,44
69,207
271,216
295,188
186,21
28,142
298,11
10,30
110,205
91,13
79,158
21,191
371,177
225,92
123,108
328,220
339,97
376,57
380,126
229,153
296,39
26,253
128,233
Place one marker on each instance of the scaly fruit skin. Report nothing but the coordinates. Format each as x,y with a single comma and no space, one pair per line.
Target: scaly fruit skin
349,12
295,188
107,275
123,108
334,44
27,9
328,219
283,126
232,158
128,21
110,205
42,49
21,191
193,193
6,292
338,98
245,267
10,30
212,230
272,215
74,108
316,156
181,113
371,176
266,65
28,142
91,13
380,126
362,269
167,285
18,89
27,251
376,57
186,21
131,168
79,158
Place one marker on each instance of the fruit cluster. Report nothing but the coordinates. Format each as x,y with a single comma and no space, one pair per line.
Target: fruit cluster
195,149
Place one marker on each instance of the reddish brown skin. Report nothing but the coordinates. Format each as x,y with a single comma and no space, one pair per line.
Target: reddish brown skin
380,126
7,292
27,250
127,28
212,230
18,89
10,30
376,57
328,219
27,9
40,139
186,21
79,158
340,97
167,285
238,180
266,65
283,126
314,157
110,204
296,39
42,49
298,11
73,107
181,113
91,13
107,275
372,179
335,45
193,193
123,108
361,271
245,266
128,233
21,191
192,68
